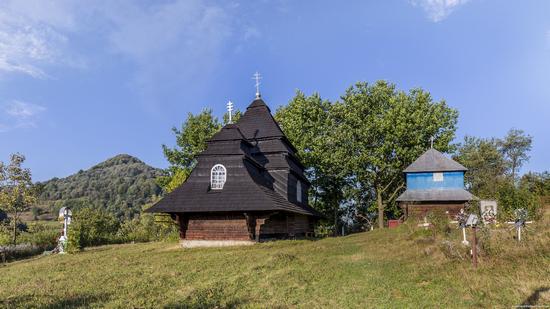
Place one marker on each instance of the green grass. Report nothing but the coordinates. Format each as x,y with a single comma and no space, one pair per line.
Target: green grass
383,268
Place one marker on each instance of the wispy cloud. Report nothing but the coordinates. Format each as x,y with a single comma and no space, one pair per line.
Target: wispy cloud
175,40
19,114
31,35
438,10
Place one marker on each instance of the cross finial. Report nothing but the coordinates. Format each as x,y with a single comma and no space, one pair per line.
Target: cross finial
230,110
257,77
432,142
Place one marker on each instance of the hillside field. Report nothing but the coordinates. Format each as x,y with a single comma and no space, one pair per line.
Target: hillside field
384,268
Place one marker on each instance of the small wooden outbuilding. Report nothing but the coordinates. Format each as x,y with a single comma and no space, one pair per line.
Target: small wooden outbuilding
434,183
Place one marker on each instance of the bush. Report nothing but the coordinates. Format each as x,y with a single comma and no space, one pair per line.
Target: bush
144,228
511,198
42,235
91,227
439,223
5,237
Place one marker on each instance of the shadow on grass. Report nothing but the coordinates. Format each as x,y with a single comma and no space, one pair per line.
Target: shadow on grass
533,299
77,301
213,297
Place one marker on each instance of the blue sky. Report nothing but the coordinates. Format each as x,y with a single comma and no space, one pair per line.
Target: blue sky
81,81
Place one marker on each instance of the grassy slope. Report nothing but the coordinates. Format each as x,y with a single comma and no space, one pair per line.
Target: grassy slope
376,269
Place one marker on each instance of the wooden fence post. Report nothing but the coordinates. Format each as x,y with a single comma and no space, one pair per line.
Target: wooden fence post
474,248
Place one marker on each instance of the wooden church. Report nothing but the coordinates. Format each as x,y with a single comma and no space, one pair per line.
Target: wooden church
248,186
434,183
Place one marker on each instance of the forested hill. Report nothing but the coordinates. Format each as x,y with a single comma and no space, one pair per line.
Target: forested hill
121,185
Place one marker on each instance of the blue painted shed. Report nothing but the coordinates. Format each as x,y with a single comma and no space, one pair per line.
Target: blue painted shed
434,182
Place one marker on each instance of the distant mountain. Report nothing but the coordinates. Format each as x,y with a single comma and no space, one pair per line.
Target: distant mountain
121,185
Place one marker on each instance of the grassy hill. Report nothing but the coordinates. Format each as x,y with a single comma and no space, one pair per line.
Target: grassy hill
121,185
396,268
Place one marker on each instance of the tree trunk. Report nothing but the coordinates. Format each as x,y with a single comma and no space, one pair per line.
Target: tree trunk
335,221
14,231
514,172
380,207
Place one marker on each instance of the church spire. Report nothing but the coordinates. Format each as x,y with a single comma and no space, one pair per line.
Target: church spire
257,77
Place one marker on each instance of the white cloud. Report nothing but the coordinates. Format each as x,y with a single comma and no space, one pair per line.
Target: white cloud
438,10
19,114
31,35
175,40
23,110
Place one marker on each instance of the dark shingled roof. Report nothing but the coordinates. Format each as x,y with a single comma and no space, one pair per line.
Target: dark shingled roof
257,122
249,185
434,195
228,133
434,161
246,191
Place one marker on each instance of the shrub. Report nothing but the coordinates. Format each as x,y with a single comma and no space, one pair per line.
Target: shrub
42,235
511,198
91,227
144,228
439,222
5,237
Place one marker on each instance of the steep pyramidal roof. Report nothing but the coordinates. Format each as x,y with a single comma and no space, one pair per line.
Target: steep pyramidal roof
247,149
257,122
228,133
434,161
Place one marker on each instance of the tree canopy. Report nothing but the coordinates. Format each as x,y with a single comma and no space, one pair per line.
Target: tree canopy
120,185
359,145
191,140
17,193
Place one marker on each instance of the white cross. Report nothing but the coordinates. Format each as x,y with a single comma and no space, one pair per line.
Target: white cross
257,77
432,142
230,110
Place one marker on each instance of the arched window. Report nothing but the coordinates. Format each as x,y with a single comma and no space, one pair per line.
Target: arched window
299,191
217,177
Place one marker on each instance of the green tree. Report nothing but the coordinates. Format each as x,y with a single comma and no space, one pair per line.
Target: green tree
382,130
515,147
191,140
308,124
511,198
486,165
17,193
538,183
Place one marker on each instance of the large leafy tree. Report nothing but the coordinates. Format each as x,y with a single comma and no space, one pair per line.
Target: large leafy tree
383,130
308,123
515,147
17,193
357,148
486,165
191,140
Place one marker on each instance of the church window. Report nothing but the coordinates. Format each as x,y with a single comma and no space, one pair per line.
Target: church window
299,192
218,176
438,177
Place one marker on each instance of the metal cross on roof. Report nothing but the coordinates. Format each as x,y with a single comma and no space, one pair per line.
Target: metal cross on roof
432,142
257,77
230,110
